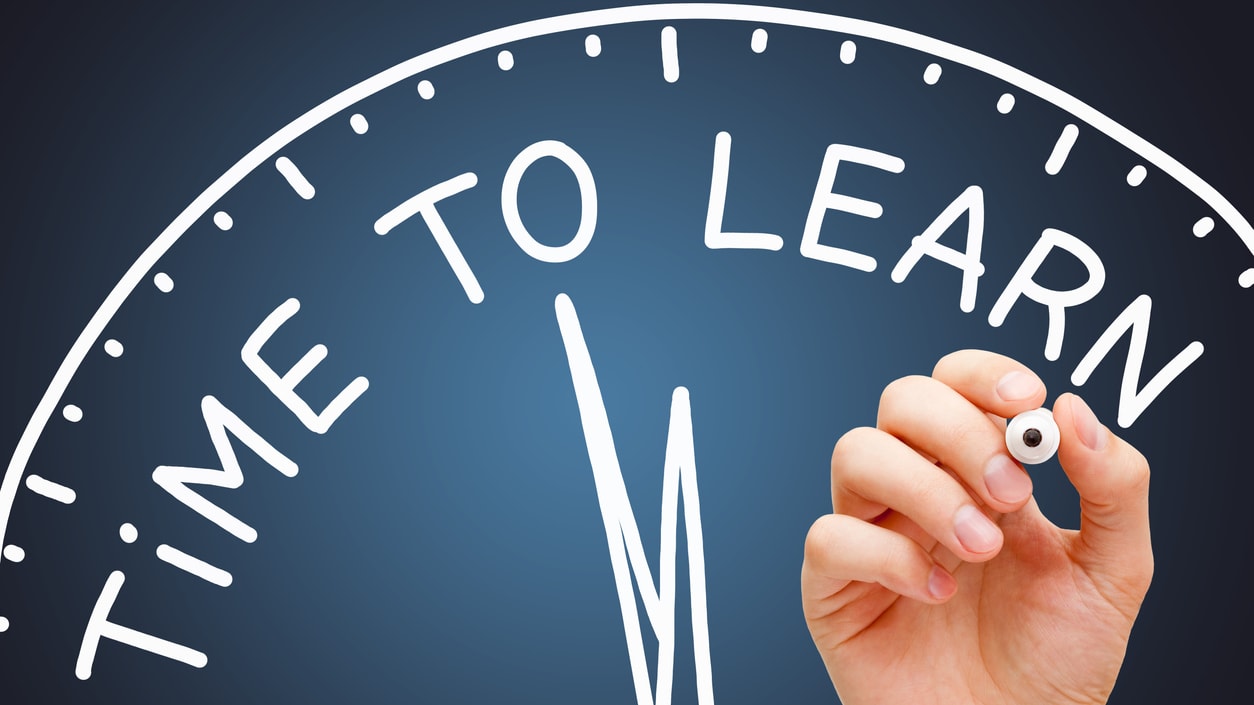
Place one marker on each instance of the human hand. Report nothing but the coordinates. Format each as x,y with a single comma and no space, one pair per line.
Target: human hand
936,579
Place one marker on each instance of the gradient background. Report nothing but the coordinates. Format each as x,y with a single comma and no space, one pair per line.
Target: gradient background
443,540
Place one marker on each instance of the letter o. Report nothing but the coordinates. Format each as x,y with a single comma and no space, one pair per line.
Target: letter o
587,200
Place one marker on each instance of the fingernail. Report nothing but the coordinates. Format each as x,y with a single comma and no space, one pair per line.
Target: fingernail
1017,386
1091,432
1006,481
975,532
940,584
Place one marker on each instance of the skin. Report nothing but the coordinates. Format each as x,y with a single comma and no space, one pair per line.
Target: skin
936,580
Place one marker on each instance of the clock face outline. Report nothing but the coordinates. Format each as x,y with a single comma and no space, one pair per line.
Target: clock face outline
203,205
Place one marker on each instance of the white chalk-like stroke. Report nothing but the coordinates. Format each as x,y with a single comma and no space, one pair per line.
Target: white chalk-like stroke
268,150
679,476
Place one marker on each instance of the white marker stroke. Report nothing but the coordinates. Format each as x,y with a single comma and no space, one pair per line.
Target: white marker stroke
50,489
295,179
284,386
848,51
626,552
1136,176
579,21
715,238
670,54
757,42
191,564
1062,149
175,480
424,204
99,626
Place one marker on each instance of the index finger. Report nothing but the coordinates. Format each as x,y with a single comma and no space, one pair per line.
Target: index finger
993,382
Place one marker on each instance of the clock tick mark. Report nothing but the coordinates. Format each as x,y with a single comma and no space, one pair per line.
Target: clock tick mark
932,74
50,489
113,348
14,554
1246,280
426,89
4,625
163,282
295,179
128,533
592,45
1203,227
848,52
358,123
72,413
758,42
670,54
1005,103
223,220
505,60
1136,176
1062,149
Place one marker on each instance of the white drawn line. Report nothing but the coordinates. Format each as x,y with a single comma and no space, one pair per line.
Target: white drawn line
1136,176
679,476
848,51
295,179
554,25
50,489
223,220
1062,149
1246,280
715,238
670,54
99,626
163,282
128,533
195,566
757,42
424,204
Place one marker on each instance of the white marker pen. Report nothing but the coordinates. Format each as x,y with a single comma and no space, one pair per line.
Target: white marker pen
1032,437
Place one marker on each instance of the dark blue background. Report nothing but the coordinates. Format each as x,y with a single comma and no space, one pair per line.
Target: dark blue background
383,572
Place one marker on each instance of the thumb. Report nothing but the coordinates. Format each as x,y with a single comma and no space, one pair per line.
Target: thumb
1112,479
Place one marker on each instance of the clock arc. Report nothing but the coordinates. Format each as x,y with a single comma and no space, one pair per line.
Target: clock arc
271,146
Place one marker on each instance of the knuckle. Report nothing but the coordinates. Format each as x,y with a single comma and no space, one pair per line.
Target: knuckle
901,390
1143,573
821,538
898,562
947,361
933,492
850,446
1128,588
958,436
1136,471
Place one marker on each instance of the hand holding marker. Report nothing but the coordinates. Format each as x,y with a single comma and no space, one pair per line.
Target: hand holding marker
937,578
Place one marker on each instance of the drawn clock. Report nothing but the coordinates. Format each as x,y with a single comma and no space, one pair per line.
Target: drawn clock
416,389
